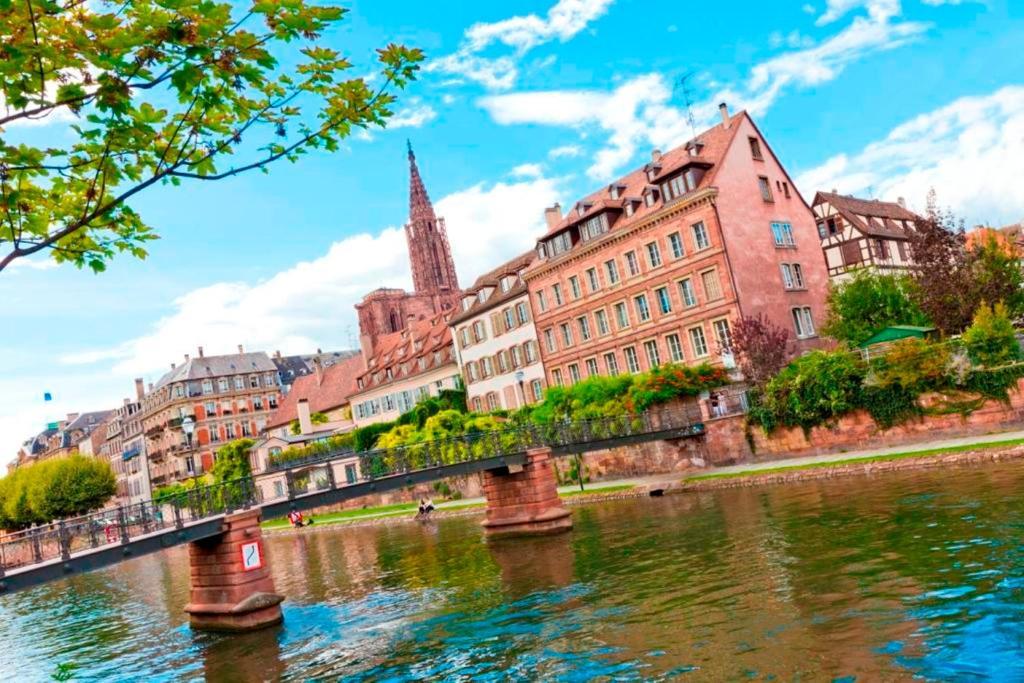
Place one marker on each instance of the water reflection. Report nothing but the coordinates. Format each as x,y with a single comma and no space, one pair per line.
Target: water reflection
884,578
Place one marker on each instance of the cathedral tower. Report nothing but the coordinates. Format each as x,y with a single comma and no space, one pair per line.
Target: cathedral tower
433,270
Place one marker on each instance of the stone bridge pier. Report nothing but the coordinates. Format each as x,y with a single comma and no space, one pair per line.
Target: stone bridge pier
232,589
523,501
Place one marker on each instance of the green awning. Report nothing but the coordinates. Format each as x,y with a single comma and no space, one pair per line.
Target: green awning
896,332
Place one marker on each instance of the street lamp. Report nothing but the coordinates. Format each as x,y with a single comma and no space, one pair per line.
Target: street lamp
520,376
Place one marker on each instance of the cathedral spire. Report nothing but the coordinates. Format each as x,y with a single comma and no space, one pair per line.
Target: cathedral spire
419,201
433,269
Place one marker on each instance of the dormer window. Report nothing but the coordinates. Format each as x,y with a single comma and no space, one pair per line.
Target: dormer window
506,283
652,171
629,208
594,227
650,195
583,207
615,191
695,147
481,296
466,303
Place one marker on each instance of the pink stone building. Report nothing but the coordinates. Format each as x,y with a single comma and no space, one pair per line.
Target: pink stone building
656,266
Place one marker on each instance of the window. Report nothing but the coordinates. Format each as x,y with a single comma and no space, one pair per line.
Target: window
632,362
254,382
190,465
630,208
651,351
478,405
664,300
675,348
601,316
229,430
881,249
722,334
549,340
698,342
506,284
643,311
712,286
621,315
766,189
214,434
787,275
675,243
785,189
851,253
591,367
649,198
574,372
566,335
537,387
350,473
556,377
782,234
542,302
556,290
269,379
464,334
584,324
502,362
486,366
611,364
803,322
492,401
611,268
558,244
755,148
530,348
479,331
510,319
687,293
522,314
676,187
653,254
594,227
574,287
632,265
272,401
700,236
222,384
592,281
239,382
471,371
211,408
179,391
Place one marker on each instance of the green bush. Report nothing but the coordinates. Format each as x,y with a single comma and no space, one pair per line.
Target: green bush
990,341
314,418
338,442
365,438
669,382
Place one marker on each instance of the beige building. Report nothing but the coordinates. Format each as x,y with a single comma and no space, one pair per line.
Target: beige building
863,233
496,340
408,366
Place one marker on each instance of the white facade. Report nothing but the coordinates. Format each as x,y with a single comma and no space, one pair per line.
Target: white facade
492,348
388,401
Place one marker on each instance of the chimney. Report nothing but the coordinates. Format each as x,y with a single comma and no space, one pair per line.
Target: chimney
305,421
241,349
902,202
723,108
318,350
553,215
186,357
656,156
318,368
140,388
200,351
151,387
277,354
173,366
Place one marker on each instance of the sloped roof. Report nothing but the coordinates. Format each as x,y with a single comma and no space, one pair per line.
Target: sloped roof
217,366
337,383
714,143
493,279
872,217
398,354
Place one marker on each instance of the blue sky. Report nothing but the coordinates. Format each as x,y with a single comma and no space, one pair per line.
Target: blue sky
523,104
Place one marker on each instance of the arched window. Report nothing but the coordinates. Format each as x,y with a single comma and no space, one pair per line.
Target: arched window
394,322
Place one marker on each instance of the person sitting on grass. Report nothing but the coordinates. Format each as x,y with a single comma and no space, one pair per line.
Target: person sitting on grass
295,517
426,507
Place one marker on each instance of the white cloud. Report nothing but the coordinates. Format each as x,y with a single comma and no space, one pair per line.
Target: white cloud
33,264
413,116
640,111
528,171
971,151
519,34
565,151
311,303
878,10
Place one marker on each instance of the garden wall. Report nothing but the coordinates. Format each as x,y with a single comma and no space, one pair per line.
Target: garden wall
726,438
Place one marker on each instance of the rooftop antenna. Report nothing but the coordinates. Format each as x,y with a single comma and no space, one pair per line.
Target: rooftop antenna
684,85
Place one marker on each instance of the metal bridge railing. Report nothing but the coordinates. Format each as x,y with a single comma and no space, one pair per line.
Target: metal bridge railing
119,526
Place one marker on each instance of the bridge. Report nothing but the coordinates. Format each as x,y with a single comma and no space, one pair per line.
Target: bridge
231,585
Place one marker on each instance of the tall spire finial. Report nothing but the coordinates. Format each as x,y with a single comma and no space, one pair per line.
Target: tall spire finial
408,145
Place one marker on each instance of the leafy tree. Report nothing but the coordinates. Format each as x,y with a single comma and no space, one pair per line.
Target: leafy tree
161,92
53,489
869,302
761,347
232,461
315,418
996,274
990,340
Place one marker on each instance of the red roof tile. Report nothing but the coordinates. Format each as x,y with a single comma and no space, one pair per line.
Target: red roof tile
870,216
401,352
337,383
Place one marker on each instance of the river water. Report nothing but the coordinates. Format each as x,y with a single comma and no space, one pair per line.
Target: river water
900,576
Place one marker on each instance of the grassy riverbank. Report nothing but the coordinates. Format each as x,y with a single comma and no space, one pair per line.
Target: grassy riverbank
409,509
754,472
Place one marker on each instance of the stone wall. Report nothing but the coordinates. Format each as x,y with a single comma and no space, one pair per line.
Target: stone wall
727,439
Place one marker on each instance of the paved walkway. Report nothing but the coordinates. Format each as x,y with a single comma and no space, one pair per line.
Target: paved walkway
867,453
